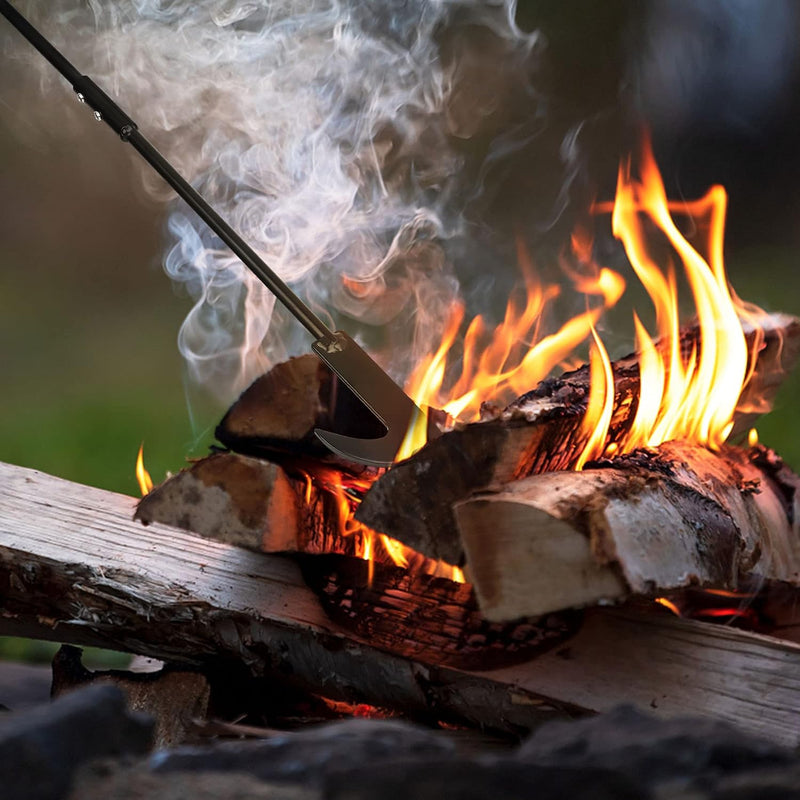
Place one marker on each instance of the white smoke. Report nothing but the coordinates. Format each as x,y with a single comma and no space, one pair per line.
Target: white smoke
323,131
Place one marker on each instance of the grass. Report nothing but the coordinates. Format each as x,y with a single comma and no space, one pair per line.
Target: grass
88,385
33,651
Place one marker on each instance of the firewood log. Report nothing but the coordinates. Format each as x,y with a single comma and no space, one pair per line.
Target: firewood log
75,568
539,432
276,416
644,523
247,502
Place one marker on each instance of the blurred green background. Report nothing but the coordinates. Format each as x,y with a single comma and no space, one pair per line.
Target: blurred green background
88,321
89,365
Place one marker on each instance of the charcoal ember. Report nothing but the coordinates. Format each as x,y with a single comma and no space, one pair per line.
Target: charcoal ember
40,749
657,751
470,780
437,620
309,756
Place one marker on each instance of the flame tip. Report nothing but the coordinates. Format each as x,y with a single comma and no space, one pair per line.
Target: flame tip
142,475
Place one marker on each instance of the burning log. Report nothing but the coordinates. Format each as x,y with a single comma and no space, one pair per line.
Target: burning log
539,432
250,503
75,567
644,523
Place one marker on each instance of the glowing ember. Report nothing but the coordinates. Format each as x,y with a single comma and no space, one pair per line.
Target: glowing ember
719,605
142,475
347,492
668,604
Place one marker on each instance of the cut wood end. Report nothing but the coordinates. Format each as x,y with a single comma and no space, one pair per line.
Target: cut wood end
549,568
229,498
283,404
276,416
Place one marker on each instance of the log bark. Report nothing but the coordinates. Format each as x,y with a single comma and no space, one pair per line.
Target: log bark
75,567
539,432
646,523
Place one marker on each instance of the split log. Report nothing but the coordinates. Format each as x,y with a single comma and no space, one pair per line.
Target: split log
645,523
74,567
247,502
276,416
250,503
539,432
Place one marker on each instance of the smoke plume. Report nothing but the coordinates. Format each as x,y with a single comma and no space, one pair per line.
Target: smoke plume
330,134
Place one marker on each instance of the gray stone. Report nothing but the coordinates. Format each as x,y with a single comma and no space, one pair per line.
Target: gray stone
308,756
41,748
470,780
653,751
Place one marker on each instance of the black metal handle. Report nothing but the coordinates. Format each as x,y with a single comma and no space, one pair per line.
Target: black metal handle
108,111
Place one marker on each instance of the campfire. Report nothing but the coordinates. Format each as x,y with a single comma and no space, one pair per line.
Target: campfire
544,494
551,542
560,517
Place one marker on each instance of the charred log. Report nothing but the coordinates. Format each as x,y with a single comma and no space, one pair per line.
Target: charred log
437,619
249,503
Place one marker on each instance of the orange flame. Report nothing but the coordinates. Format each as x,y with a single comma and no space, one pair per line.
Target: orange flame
347,491
600,407
142,475
516,356
690,395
